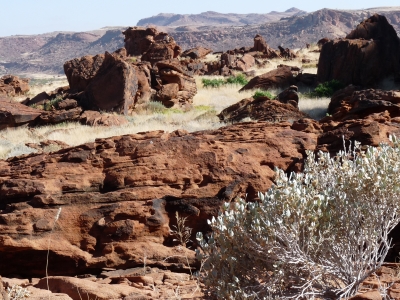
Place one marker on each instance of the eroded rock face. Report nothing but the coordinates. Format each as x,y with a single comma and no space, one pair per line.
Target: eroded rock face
113,88
80,71
138,39
369,54
262,109
118,196
13,114
176,86
196,53
13,85
353,103
278,78
152,45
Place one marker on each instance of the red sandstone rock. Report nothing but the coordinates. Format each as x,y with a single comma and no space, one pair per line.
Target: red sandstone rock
119,195
113,88
245,63
278,78
261,109
138,39
95,118
260,45
13,85
197,52
369,54
353,103
289,95
80,71
171,72
13,114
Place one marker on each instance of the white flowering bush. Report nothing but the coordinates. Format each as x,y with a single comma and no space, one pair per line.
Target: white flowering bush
315,234
17,292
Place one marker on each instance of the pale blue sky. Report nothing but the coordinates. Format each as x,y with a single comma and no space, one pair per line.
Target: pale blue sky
40,16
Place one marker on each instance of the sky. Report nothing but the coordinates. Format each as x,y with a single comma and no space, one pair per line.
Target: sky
24,17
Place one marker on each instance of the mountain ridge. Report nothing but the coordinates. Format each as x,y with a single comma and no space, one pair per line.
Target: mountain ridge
212,18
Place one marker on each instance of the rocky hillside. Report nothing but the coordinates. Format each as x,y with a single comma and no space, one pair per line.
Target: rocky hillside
46,53
212,18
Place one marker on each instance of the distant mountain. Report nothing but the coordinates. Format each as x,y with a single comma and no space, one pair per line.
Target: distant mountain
46,53
211,18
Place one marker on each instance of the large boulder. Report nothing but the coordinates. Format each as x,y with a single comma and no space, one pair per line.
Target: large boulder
113,88
278,78
246,62
196,53
13,114
11,85
260,45
262,109
118,196
80,71
131,75
353,103
367,55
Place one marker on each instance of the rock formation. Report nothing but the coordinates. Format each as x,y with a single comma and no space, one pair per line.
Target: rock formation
13,85
196,53
279,78
366,56
118,196
176,87
13,114
153,46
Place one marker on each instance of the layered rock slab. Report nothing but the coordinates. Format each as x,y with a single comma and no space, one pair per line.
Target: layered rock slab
118,196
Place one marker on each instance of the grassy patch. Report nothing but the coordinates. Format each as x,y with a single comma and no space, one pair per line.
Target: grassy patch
213,83
216,83
261,93
239,79
309,66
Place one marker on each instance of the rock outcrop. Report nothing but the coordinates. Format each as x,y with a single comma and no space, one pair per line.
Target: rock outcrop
138,39
285,108
278,78
113,88
366,56
196,53
13,85
118,196
352,103
80,71
153,46
176,87
13,114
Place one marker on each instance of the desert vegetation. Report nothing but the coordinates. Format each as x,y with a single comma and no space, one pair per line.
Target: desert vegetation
320,233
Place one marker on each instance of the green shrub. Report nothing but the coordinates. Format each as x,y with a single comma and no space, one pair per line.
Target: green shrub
239,79
327,89
262,93
315,234
52,103
214,83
